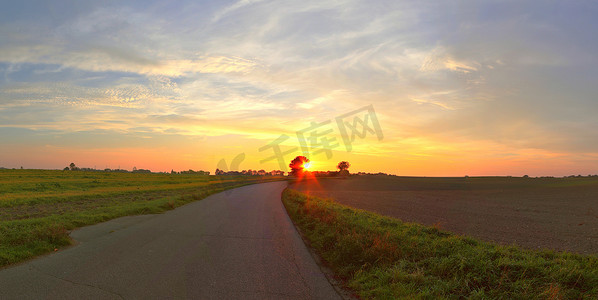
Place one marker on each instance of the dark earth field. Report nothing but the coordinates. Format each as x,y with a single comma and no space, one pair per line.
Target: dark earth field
535,213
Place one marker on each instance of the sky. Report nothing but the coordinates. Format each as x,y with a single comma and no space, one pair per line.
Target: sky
422,88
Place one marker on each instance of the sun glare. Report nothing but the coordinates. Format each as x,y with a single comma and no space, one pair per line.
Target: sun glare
306,165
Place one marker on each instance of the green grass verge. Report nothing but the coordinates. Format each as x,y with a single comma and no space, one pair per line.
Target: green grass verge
32,224
383,258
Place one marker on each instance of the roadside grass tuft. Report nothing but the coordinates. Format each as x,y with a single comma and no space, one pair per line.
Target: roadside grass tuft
384,258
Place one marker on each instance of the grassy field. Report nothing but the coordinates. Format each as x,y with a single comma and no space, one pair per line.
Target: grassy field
384,258
38,208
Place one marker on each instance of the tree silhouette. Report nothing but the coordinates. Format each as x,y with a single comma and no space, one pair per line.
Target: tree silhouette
297,165
73,167
343,165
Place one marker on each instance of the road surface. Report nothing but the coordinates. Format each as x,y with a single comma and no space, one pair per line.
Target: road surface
238,244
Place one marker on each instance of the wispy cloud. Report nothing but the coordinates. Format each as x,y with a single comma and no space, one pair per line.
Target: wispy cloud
228,9
438,59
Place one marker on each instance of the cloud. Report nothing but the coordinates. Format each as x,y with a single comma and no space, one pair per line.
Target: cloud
439,59
437,103
102,59
226,10
64,93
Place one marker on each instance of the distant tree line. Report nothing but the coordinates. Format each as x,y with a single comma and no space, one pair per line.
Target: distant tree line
343,171
191,172
73,167
250,172
135,170
374,174
324,173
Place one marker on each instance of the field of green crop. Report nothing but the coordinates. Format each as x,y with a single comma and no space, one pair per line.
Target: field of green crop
383,258
38,208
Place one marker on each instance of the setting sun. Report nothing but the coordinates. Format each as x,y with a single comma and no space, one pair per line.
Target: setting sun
307,165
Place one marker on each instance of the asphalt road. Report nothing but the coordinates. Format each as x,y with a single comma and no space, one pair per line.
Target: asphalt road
238,244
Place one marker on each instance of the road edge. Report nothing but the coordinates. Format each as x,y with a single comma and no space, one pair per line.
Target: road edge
337,284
